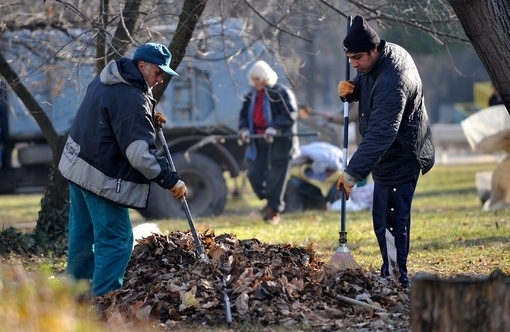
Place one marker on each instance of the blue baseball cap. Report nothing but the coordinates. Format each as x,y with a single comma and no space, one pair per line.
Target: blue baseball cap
157,54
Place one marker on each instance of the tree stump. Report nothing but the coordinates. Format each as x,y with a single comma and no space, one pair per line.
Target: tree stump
460,304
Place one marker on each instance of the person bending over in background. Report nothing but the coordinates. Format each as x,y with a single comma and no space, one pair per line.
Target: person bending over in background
270,109
110,159
396,141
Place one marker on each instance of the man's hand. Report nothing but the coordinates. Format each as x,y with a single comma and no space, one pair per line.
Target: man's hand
345,88
269,134
179,190
346,182
243,136
159,119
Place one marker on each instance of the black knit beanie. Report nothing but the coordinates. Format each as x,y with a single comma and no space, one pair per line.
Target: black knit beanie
361,37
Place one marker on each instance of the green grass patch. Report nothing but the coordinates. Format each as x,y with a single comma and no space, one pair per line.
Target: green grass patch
19,208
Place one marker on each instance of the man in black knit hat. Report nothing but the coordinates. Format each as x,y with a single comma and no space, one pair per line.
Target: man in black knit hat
396,142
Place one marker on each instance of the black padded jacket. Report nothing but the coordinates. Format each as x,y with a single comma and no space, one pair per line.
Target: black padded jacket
396,137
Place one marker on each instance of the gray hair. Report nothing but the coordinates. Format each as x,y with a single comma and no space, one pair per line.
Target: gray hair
264,72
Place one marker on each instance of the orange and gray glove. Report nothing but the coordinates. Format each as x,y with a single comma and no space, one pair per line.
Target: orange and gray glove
269,134
179,190
159,119
345,88
346,182
243,136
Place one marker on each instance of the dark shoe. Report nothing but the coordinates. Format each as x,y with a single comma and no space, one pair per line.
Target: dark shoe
272,216
404,282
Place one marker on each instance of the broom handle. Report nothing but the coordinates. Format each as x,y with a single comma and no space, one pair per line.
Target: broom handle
184,203
343,233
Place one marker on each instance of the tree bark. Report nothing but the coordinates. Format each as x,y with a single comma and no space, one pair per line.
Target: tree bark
51,228
460,304
487,26
188,19
122,38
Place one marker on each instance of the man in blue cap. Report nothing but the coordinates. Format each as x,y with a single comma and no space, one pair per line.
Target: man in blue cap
396,142
110,158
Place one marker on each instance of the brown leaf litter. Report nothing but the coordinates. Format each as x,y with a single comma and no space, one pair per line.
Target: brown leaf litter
267,284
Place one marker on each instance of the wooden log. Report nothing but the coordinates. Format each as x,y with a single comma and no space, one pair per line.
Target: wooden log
461,303
360,303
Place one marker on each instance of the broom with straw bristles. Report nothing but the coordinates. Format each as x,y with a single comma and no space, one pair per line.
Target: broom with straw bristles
342,257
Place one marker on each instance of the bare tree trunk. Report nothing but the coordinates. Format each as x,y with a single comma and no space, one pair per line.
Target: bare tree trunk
486,25
121,41
188,19
460,304
51,228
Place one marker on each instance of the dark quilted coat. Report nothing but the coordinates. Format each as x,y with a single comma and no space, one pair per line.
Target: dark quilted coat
396,138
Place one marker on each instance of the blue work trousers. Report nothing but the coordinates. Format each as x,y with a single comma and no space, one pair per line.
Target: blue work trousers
392,209
100,240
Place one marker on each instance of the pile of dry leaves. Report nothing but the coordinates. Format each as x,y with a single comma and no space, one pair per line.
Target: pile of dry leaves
270,285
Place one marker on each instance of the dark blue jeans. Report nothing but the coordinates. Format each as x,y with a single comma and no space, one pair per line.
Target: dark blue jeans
100,240
392,209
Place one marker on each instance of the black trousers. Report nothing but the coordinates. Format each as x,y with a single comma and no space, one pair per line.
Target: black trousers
267,174
392,209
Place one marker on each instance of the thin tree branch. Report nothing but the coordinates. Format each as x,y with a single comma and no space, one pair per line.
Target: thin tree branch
276,26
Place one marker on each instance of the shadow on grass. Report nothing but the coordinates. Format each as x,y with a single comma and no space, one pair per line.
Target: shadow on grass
462,243
445,192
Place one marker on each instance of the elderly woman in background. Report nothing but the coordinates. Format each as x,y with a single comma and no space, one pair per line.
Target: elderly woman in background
269,109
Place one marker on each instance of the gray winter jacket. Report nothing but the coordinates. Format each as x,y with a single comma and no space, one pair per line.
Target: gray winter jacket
396,137
111,148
